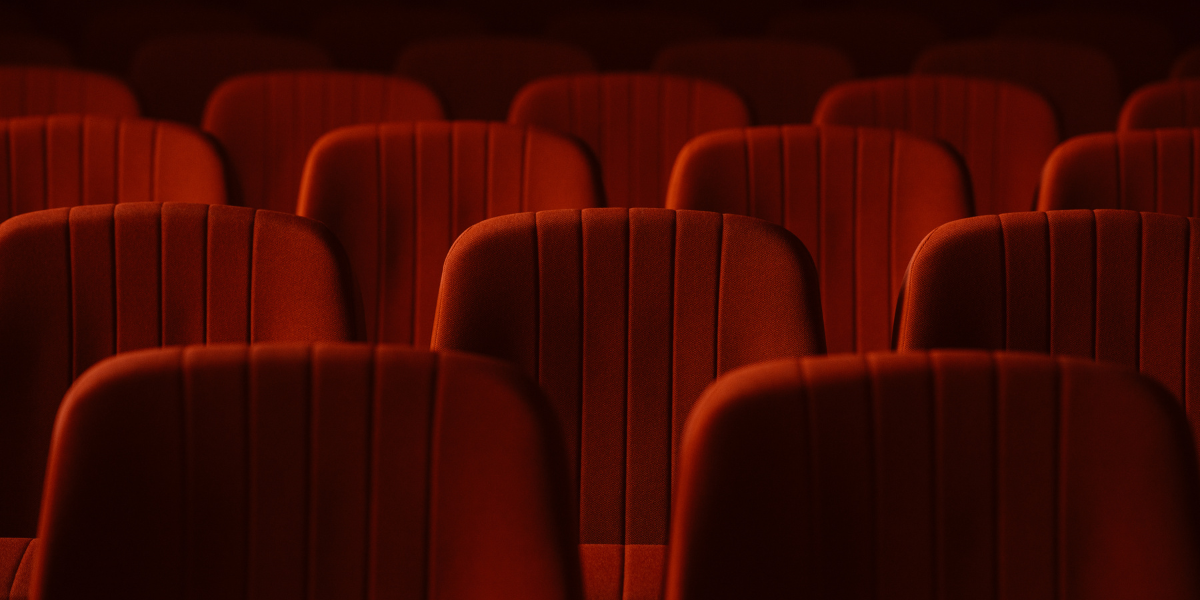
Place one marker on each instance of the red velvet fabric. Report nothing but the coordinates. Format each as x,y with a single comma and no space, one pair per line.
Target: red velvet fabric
861,200
478,77
635,124
399,194
73,160
84,283
294,471
781,80
175,74
628,38
1173,103
16,567
49,90
1003,131
880,41
927,475
1153,171
1110,285
267,122
1079,80
623,316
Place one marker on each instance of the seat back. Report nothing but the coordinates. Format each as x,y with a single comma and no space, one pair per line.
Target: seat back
623,316
267,122
175,74
1080,81
478,77
1108,285
861,200
27,91
399,194
880,41
81,284
1172,103
915,475
627,39
1146,170
336,470
781,80
1003,131
73,160
635,124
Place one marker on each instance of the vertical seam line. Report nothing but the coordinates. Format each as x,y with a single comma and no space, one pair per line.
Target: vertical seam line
431,472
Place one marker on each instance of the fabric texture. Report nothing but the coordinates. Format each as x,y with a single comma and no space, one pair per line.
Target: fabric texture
48,90
267,122
16,567
623,316
1003,131
399,194
1172,103
1079,80
781,80
1154,171
288,470
478,77
860,199
635,124
74,160
175,74
952,474
1109,285
81,284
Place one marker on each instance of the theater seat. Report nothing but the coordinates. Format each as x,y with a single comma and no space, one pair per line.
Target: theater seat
623,316
17,556
175,74
267,122
1151,170
369,36
1080,81
627,38
1003,131
861,200
949,474
399,194
28,91
780,80
73,160
477,77
1110,285
880,41
84,283
331,470
1172,103
635,124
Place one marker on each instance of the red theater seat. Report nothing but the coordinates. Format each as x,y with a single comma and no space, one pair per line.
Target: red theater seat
84,283
477,77
174,75
33,50
945,474
109,39
880,41
399,194
370,36
780,80
1109,285
1003,131
634,123
267,122
627,39
623,316
73,160
332,471
1079,80
48,90
861,200
1152,171
1174,103
1141,46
